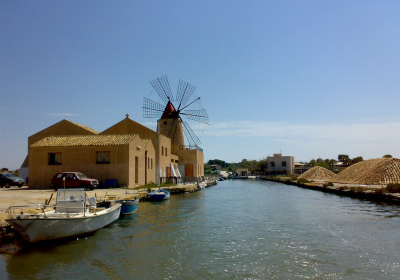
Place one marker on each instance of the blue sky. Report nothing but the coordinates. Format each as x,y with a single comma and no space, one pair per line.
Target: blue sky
307,78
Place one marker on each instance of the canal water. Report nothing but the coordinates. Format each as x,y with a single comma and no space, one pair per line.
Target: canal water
236,230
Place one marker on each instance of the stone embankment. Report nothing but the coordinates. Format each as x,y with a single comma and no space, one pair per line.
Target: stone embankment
374,179
372,192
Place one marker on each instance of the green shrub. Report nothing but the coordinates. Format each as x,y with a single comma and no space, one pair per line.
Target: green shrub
393,188
360,189
303,181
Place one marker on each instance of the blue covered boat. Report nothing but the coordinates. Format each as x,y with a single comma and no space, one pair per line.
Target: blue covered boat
159,195
129,206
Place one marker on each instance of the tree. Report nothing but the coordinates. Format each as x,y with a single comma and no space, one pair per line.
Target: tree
4,169
357,160
221,163
207,169
244,163
232,167
262,165
387,156
343,158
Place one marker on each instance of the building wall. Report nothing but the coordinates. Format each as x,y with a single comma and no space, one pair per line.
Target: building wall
128,126
83,159
242,171
151,166
122,163
191,157
279,167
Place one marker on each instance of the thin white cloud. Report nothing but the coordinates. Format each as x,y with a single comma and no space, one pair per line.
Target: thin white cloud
354,131
149,123
305,141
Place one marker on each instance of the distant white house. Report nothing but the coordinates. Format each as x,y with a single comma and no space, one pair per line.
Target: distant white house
215,167
242,171
300,168
279,164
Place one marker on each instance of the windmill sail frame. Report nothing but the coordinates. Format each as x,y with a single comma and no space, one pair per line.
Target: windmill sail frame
172,114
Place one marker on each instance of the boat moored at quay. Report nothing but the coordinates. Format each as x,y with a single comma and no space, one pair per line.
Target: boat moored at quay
74,214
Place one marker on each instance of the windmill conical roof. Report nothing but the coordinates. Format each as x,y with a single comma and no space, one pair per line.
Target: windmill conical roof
169,109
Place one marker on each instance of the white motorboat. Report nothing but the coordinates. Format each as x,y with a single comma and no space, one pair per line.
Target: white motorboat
201,185
74,214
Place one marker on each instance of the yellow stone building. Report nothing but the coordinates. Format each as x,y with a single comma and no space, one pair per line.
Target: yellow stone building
127,151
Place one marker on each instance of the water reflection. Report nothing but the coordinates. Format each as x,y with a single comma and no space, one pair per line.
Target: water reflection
236,230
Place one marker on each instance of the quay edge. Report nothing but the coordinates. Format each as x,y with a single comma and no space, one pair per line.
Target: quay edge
355,191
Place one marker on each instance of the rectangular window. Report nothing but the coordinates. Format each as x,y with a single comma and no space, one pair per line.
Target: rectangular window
283,163
151,163
148,163
136,170
162,150
166,154
272,164
55,158
102,157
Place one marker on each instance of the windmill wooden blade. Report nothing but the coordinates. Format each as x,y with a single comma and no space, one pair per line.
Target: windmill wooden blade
197,115
185,91
190,135
152,109
161,86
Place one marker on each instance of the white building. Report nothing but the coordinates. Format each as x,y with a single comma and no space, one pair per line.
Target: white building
279,164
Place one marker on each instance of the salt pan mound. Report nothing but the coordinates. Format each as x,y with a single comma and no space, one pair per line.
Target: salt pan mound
317,173
380,171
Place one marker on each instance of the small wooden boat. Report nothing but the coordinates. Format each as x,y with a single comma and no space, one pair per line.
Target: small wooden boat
129,206
159,195
74,214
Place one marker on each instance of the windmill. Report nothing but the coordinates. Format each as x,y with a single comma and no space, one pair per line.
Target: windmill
170,114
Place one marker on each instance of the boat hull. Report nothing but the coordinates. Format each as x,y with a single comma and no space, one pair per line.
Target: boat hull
159,195
128,206
60,226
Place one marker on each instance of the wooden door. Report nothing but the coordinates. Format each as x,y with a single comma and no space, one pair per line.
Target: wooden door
189,170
